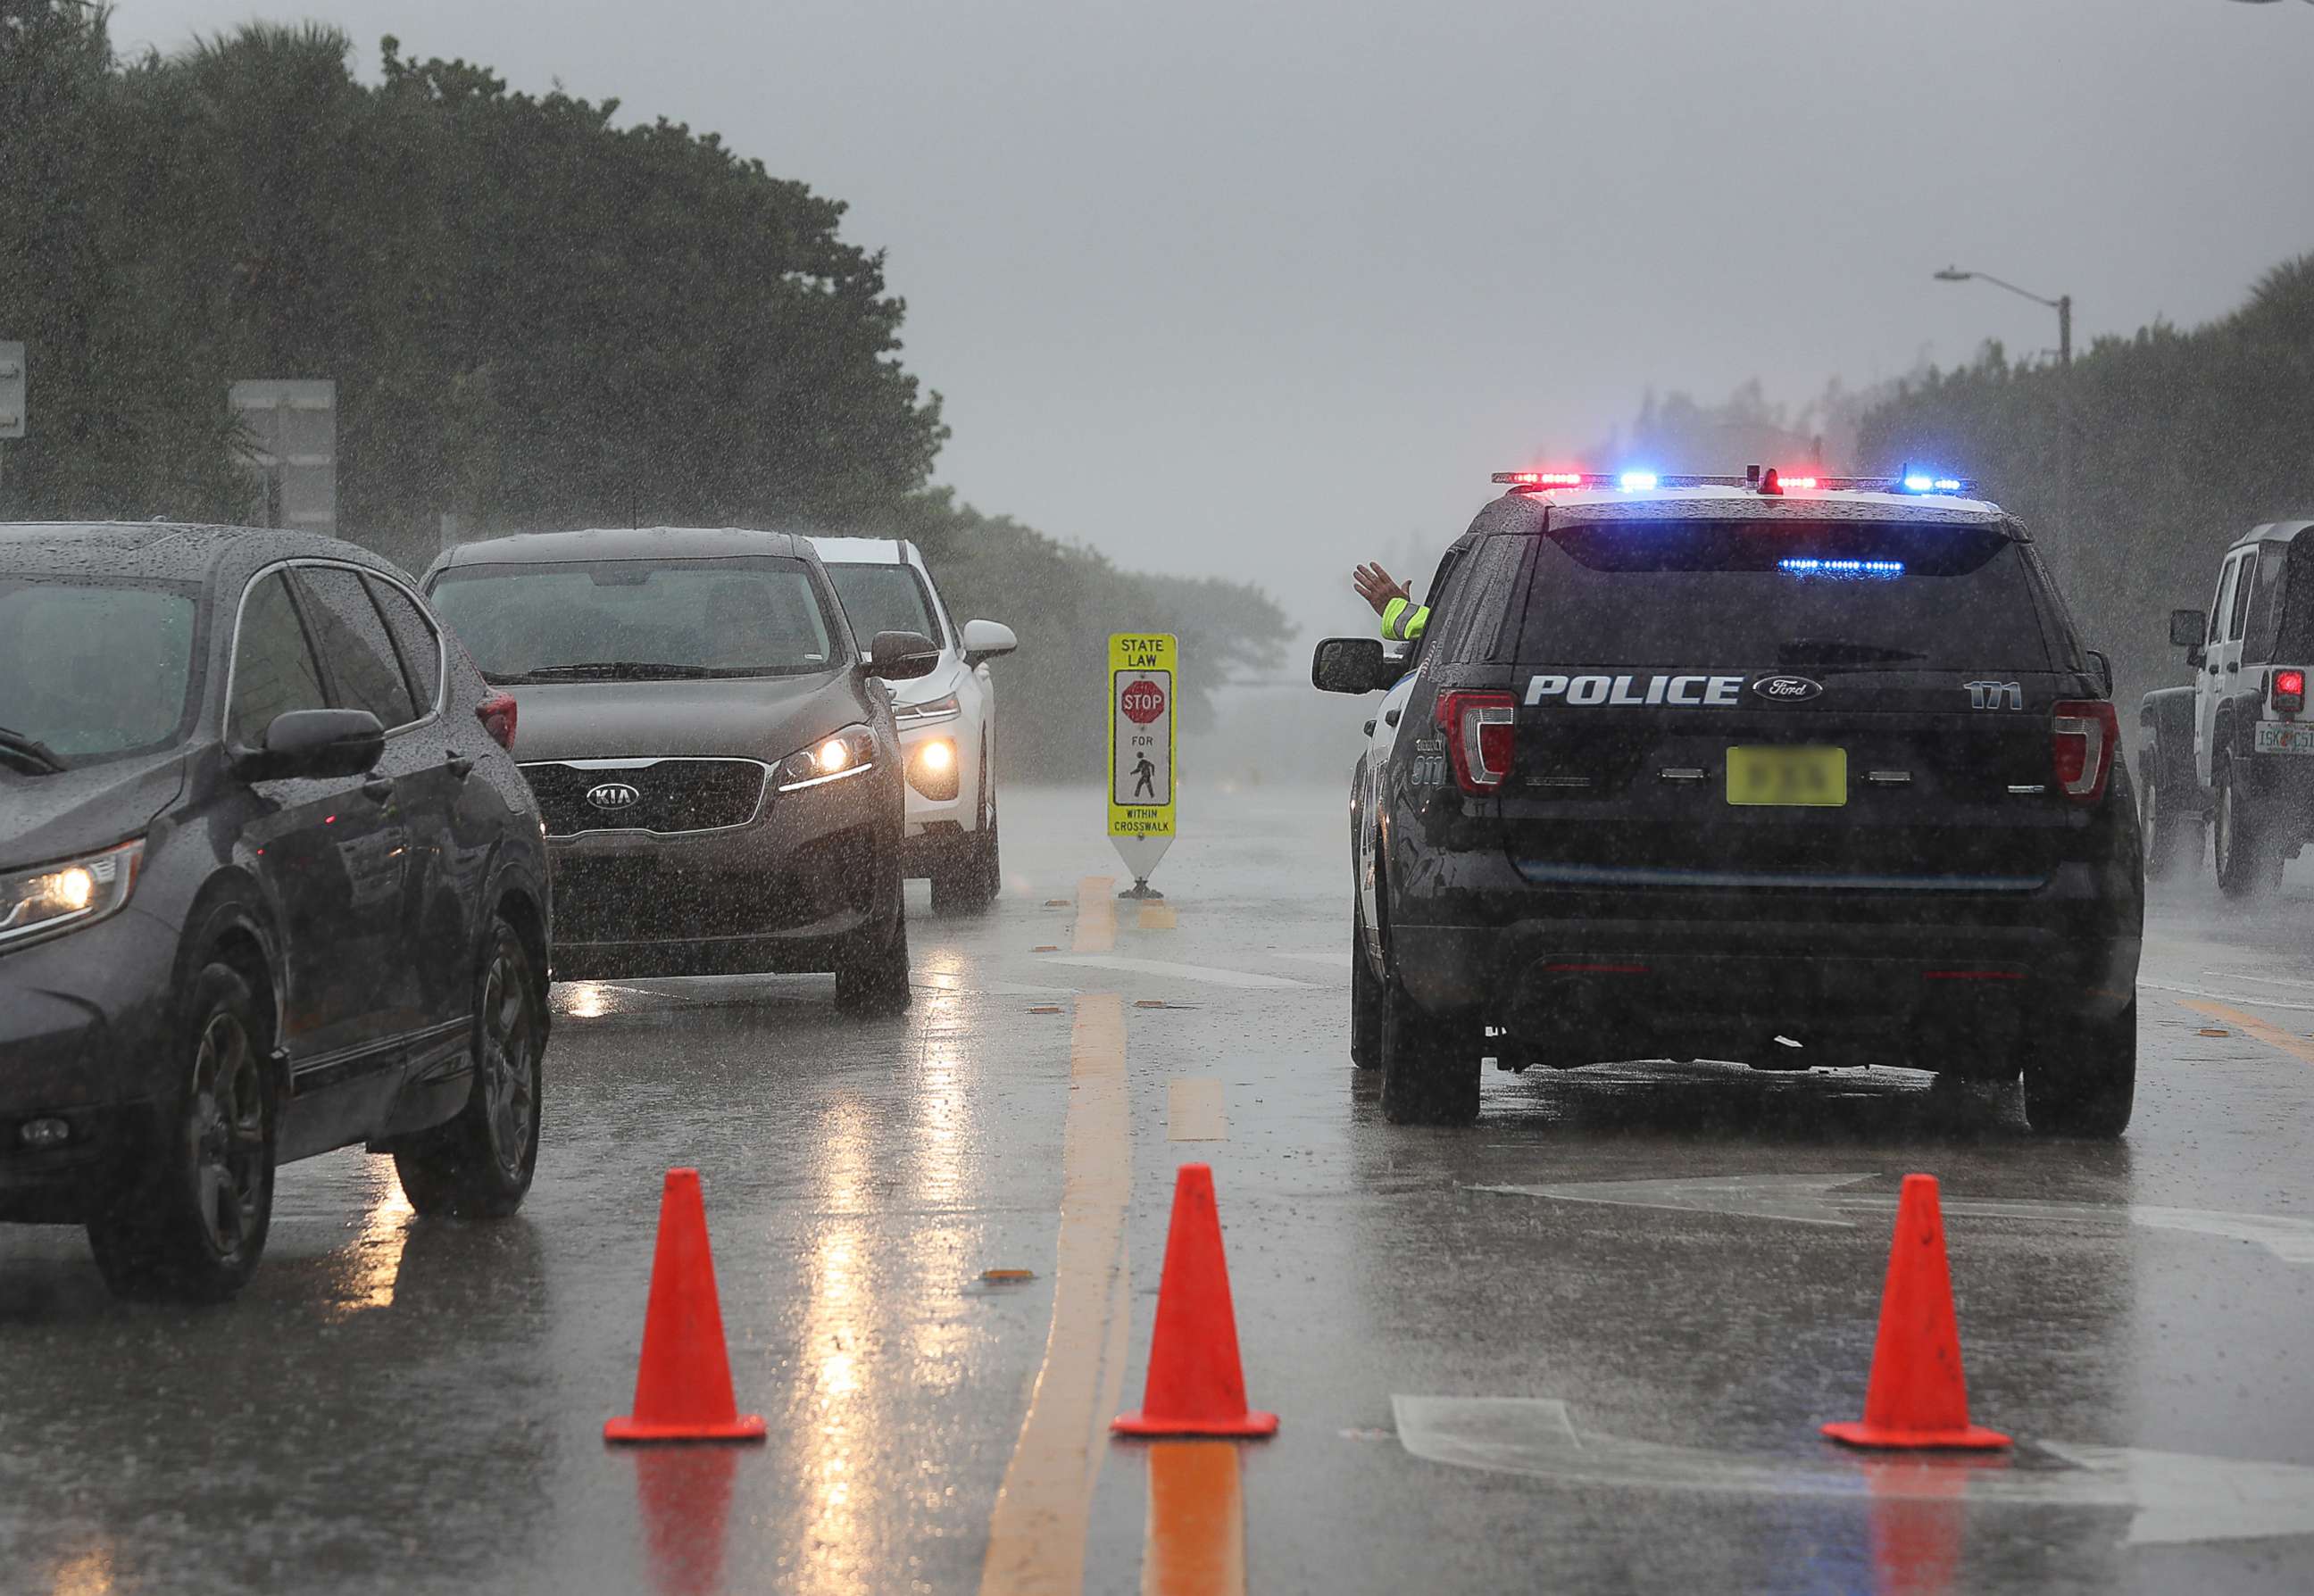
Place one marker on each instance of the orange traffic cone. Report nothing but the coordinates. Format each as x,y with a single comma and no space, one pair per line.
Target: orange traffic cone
1917,1397
1195,1385
683,1390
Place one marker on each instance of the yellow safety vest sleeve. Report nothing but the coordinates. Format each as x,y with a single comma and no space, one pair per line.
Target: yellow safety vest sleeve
1402,622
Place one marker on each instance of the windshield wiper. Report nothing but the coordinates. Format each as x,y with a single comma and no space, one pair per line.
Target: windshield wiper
611,670
31,751
1832,651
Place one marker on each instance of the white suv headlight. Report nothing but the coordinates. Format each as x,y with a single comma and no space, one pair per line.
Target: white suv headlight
55,898
924,714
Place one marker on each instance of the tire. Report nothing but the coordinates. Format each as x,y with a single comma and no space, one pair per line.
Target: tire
2173,838
2082,1080
1365,1001
2248,860
1430,1068
969,882
480,1165
873,977
193,1226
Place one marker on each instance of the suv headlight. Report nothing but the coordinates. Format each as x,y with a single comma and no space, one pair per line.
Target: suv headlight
851,752
928,711
55,898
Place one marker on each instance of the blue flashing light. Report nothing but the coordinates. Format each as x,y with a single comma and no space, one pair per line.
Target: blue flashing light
1636,481
1809,566
1920,482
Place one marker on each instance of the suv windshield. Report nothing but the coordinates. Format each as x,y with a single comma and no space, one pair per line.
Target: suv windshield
638,619
1796,594
94,669
883,598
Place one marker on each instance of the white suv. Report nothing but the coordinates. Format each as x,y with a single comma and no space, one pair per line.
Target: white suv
947,718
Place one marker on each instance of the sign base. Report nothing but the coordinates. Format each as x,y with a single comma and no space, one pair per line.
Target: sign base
1140,855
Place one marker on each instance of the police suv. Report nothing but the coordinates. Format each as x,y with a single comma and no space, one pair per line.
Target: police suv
1793,770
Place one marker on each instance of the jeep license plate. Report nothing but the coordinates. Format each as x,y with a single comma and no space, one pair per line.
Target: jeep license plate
1810,778
2272,736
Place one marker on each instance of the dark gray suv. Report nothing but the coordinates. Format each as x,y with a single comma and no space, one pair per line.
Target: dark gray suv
714,754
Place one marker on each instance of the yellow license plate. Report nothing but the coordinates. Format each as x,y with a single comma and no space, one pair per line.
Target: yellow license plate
1814,778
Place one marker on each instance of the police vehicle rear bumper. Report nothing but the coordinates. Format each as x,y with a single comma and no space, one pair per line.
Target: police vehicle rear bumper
1680,972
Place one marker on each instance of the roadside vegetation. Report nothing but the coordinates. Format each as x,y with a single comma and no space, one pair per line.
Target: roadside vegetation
535,316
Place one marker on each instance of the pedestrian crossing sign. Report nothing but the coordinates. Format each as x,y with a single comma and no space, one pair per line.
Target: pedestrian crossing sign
1142,681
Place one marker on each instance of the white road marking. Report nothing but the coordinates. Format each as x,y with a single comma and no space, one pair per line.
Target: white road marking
1821,1199
2222,997
2175,1497
1165,968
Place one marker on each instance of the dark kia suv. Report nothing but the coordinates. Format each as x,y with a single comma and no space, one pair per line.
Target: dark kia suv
715,756
270,885
1786,772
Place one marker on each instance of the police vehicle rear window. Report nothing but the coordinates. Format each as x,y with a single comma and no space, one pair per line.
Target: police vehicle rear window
1786,593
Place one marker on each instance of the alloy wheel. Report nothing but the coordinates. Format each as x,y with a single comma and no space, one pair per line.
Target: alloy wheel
507,1024
226,1129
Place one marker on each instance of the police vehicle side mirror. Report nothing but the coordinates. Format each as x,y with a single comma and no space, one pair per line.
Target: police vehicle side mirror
2186,629
1349,664
902,656
313,744
2103,666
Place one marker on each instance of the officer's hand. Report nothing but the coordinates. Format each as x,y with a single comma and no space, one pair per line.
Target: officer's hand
1377,586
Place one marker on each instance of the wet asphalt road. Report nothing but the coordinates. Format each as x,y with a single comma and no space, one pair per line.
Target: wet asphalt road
406,1406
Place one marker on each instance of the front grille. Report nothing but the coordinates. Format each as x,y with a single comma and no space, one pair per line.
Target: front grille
668,795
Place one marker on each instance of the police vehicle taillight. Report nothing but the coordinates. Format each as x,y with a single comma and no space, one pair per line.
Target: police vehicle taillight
2289,694
1480,730
2082,739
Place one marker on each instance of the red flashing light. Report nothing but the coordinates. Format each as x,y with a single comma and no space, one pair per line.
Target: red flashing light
497,714
1542,479
1799,481
1481,735
2082,739
2289,696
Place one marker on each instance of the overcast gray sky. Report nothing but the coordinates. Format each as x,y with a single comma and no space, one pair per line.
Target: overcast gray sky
1250,288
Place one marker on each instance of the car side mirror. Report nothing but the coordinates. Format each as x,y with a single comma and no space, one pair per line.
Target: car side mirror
2103,666
902,656
1348,665
314,744
986,639
2186,629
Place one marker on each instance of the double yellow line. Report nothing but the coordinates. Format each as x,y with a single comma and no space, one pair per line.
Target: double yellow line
1037,1534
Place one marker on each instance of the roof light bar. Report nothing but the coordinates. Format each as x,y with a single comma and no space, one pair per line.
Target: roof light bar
1772,482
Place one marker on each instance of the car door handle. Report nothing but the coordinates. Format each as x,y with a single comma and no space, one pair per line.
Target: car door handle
1390,718
1370,725
458,764
378,787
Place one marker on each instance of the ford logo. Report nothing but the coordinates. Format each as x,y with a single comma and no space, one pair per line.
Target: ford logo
1787,690
614,795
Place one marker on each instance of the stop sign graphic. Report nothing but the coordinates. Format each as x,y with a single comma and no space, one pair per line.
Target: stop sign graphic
1142,702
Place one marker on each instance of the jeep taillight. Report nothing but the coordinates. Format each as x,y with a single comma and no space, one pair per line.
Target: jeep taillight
1480,729
2288,695
2082,739
497,714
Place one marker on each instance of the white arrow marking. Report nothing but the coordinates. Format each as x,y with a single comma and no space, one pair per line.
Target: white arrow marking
1821,1199
2174,1496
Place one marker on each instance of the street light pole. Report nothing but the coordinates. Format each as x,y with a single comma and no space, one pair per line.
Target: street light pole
2063,305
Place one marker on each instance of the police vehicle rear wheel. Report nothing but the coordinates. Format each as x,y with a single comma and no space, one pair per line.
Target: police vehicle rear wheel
2248,860
1430,1067
2173,837
1365,1001
2081,1080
